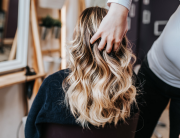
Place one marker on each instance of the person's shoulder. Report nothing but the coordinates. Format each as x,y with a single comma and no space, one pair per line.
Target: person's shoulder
52,85
51,89
54,108
57,76
48,105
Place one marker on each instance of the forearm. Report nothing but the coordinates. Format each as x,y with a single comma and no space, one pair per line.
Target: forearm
119,11
125,3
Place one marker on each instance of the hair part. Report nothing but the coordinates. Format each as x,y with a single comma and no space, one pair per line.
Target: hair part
99,88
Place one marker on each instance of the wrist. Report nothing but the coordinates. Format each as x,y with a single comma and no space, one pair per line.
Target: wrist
119,10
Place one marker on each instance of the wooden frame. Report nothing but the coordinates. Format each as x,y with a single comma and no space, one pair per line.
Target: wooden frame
22,40
20,77
36,38
16,78
63,37
13,49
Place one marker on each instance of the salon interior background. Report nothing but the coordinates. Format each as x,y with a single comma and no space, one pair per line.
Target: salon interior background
146,20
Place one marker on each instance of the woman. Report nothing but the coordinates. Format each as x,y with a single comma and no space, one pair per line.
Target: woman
96,91
161,72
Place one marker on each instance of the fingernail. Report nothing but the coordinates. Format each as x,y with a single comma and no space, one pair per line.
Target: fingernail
108,52
91,41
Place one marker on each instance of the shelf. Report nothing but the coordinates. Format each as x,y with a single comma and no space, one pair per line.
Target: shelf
16,78
8,41
29,78
50,51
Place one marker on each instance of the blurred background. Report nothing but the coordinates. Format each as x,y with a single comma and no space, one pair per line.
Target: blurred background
33,37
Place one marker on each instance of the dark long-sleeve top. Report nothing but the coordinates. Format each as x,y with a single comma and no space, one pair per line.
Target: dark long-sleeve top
49,107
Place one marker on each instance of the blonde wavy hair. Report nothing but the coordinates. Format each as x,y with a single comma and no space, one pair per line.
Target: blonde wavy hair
99,88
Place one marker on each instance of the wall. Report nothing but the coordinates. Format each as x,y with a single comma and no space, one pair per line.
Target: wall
11,110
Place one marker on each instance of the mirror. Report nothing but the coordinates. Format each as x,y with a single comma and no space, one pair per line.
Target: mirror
8,27
14,30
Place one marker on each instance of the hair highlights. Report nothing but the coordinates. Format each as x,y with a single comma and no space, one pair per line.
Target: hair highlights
99,89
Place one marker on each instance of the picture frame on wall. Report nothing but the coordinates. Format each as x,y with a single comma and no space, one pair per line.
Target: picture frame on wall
20,60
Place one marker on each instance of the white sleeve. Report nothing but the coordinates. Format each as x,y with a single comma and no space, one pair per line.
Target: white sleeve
125,3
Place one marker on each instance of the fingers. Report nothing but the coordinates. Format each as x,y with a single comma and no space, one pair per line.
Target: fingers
109,45
119,38
102,43
117,45
96,36
109,40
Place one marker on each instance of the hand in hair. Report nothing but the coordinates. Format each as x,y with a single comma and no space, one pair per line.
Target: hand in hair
112,28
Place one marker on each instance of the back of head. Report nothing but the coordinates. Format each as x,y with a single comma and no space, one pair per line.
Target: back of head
99,89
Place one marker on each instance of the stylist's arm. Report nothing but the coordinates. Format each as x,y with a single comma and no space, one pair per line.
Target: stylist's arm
112,28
